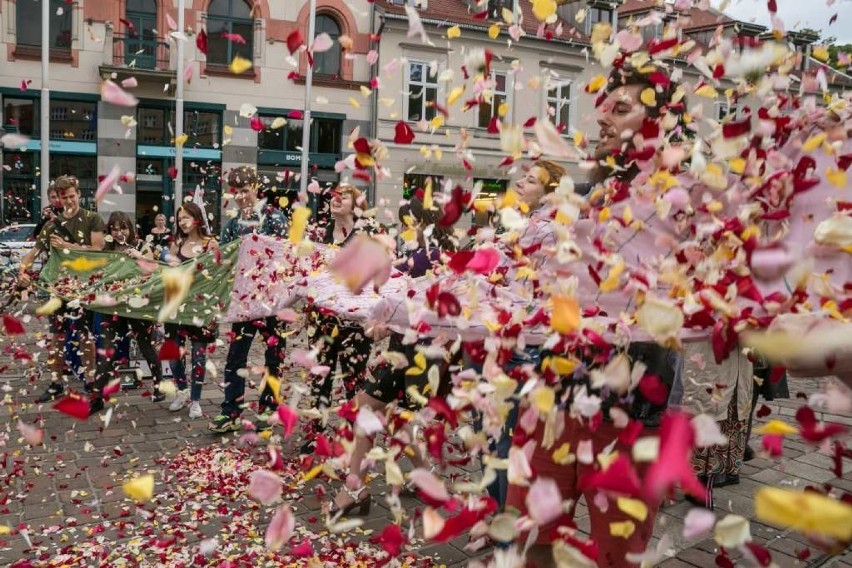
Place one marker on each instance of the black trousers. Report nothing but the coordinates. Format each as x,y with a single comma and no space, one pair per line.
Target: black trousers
113,329
272,331
338,342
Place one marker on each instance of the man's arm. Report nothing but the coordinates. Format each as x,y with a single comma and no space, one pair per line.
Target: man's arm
98,241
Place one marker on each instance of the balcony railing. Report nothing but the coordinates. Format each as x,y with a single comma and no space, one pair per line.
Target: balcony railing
140,53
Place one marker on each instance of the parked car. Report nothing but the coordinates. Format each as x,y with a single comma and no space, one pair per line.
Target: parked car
15,243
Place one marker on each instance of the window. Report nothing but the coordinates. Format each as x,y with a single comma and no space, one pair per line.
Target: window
326,135
73,120
19,187
422,92
28,24
725,110
20,115
597,15
495,8
559,104
140,45
202,128
156,127
653,31
230,31
492,98
328,62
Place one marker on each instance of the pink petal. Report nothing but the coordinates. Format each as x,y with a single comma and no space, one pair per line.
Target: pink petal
280,529
429,484
170,22
33,435
113,94
544,502
768,264
368,422
288,314
322,42
362,261
673,464
129,83
484,261
107,183
264,486
698,522
372,56
288,417
12,141
551,141
303,549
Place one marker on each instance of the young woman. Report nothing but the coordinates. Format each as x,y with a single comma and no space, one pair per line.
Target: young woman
389,385
121,237
191,239
348,345
160,236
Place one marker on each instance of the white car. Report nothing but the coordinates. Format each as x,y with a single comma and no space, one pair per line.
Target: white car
15,243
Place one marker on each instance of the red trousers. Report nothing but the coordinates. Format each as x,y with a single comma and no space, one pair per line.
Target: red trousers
611,549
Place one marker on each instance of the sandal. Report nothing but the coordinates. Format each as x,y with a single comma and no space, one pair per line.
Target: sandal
363,505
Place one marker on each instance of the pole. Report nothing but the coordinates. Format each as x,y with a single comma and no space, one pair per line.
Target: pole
515,15
45,103
306,123
178,185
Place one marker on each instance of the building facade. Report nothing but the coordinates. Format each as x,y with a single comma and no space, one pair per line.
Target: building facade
381,77
92,40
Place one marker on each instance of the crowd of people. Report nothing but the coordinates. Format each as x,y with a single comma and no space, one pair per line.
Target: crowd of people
589,409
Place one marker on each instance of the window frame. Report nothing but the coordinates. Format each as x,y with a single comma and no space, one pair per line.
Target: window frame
68,14
505,93
228,27
558,83
426,113
335,46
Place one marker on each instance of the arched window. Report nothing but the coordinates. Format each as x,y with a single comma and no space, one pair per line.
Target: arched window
328,62
28,24
230,31
140,36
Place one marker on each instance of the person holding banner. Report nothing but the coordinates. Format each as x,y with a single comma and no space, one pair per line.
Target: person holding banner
253,217
122,238
74,228
192,239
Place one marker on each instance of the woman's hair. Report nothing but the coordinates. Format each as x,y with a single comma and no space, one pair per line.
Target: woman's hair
195,212
158,215
441,236
354,192
120,220
242,176
553,172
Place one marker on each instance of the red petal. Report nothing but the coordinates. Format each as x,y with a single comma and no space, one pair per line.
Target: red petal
201,42
73,406
295,41
403,133
257,124
169,351
391,540
362,146
620,477
13,325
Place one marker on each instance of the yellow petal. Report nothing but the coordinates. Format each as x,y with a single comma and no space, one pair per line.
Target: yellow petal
648,97
181,140
313,472
814,142
737,165
299,223
453,32
493,31
455,95
365,92
5,529
49,307
239,65
420,362
776,427
562,455
507,15
623,529
228,130
820,53
544,9
561,365
543,398
578,138
502,109
706,91
279,122
283,202
565,317
804,511
596,84
437,121
140,488
633,507
353,102
612,280
83,264
836,177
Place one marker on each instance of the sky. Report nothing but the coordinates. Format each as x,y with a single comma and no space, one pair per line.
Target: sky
797,14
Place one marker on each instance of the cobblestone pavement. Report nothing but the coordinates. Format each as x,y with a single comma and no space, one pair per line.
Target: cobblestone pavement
63,500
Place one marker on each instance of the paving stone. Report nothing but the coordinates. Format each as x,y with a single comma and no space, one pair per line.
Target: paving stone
808,472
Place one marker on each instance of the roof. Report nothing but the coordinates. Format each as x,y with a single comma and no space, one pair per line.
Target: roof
457,12
697,18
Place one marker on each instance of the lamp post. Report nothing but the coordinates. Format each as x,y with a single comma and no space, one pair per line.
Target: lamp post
178,185
45,102
306,122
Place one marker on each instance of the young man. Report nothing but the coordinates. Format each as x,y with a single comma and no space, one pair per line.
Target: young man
49,213
72,229
249,219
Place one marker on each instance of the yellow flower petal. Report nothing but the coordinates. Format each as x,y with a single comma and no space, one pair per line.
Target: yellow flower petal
437,122
420,365
804,511
543,398
562,455
820,53
596,84
49,307
181,140
353,102
279,122
239,65
814,142
494,31
776,427
633,507
836,177
455,95
299,223
544,9
565,317
648,97
140,488
623,529
706,91
453,32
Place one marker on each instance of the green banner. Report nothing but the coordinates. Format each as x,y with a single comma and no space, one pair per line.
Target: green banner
114,283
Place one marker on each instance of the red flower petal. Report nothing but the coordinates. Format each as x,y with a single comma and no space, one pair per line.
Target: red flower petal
403,133
13,325
73,406
169,351
673,464
257,124
653,389
201,42
620,477
295,41
391,540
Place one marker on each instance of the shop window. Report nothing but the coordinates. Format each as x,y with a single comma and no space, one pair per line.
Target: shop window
28,24
230,31
73,120
21,116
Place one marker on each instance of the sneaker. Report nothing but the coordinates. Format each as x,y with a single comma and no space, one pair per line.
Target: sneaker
181,398
157,395
224,423
54,391
261,423
195,409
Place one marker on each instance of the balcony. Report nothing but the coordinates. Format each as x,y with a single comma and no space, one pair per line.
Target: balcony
147,59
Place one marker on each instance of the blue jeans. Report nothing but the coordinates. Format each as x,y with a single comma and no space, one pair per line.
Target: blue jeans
499,488
178,366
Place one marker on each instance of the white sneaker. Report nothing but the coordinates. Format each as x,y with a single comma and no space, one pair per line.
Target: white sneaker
181,397
195,409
